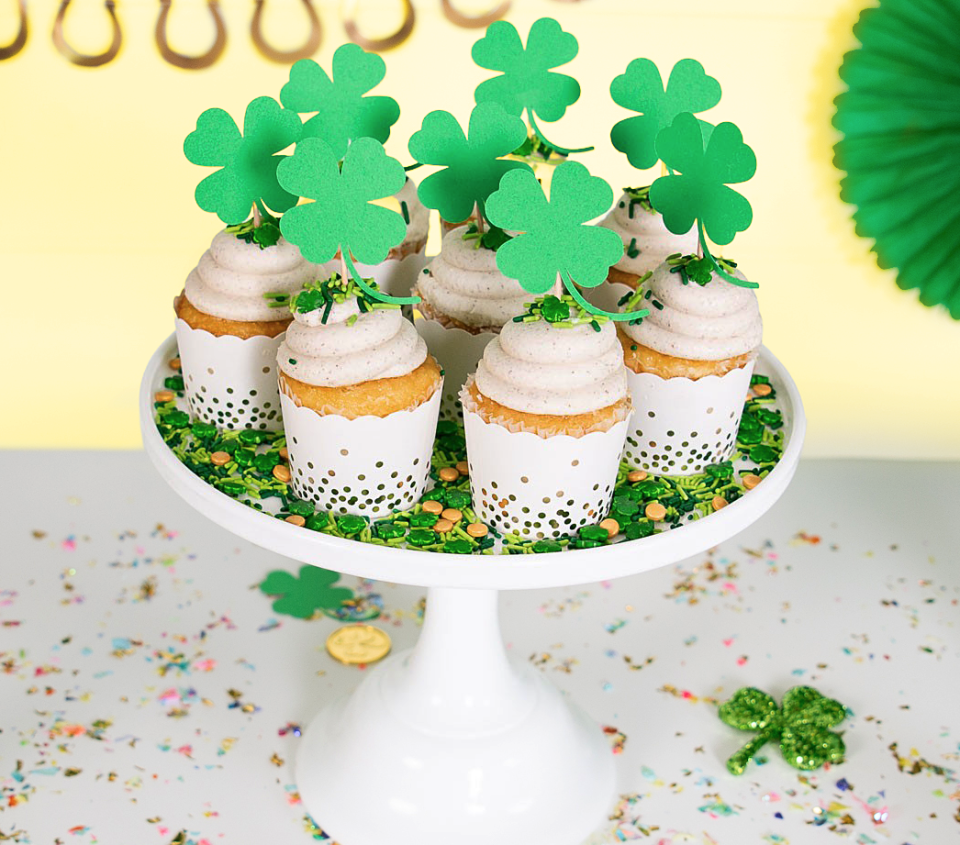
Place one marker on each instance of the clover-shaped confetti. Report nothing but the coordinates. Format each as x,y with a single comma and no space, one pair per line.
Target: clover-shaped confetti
343,113
696,189
801,726
527,83
312,591
555,240
248,162
342,216
473,167
641,89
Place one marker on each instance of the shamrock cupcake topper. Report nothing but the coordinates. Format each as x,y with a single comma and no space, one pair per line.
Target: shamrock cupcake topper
527,82
342,111
343,217
556,241
247,163
473,166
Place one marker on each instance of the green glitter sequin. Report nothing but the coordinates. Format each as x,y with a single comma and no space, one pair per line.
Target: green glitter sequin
801,725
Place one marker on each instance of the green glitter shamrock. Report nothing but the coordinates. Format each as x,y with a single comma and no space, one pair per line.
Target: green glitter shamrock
248,162
342,216
555,236
801,726
301,596
641,89
527,82
343,113
698,193
473,167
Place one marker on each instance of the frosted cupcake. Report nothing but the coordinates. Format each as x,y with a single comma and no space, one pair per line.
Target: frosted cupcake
360,397
398,273
647,242
689,365
228,332
545,418
465,300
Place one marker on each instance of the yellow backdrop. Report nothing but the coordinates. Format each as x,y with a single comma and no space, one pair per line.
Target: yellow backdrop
100,227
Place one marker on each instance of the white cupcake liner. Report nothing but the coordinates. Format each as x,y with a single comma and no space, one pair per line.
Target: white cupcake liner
230,381
679,425
541,487
458,352
368,466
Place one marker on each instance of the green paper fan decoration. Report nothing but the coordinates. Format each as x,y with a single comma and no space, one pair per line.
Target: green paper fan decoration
342,217
697,191
801,727
247,162
527,81
472,162
900,142
343,112
555,237
640,88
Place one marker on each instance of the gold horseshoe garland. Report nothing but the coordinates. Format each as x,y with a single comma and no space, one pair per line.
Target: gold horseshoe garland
461,19
86,59
182,60
310,45
8,51
377,45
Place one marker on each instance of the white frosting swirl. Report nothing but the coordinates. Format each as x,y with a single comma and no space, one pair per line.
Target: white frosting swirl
232,277
378,344
645,230
464,283
418,213
701,323
542,369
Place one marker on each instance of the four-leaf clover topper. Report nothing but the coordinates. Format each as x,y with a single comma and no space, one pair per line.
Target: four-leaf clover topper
473,166
801,725
300,597
641,89
527,83
248,162
342,216
696,189
343,113
555,239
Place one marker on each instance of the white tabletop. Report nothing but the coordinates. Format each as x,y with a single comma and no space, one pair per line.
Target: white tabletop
126,619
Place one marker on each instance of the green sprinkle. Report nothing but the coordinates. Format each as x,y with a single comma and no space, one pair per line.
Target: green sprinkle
422,537
636,530
458,546
351,524
173,383
300,507
632,250
424,519
546,546
389,530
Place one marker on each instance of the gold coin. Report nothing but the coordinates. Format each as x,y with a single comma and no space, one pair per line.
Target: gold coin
355,644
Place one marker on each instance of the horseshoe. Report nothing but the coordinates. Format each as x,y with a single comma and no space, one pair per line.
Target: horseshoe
455,16
180,59
378,44
86,59
266,50
8,51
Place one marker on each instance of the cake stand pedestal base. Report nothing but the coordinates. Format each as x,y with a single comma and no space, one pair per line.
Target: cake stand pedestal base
452,743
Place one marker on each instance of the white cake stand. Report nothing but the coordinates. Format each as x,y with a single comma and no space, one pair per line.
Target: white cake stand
452,742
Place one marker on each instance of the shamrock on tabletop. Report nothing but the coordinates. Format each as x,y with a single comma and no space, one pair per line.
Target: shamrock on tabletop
301,596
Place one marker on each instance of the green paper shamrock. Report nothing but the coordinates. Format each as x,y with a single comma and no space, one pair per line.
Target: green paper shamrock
801,726
248,162
301,596
473,167
641,89
527,82
555,238
343,113
696,189
342,216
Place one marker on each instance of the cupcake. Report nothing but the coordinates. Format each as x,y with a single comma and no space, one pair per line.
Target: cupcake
228,331
545,418
398,272
688,366
646,240
360,397
465,300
